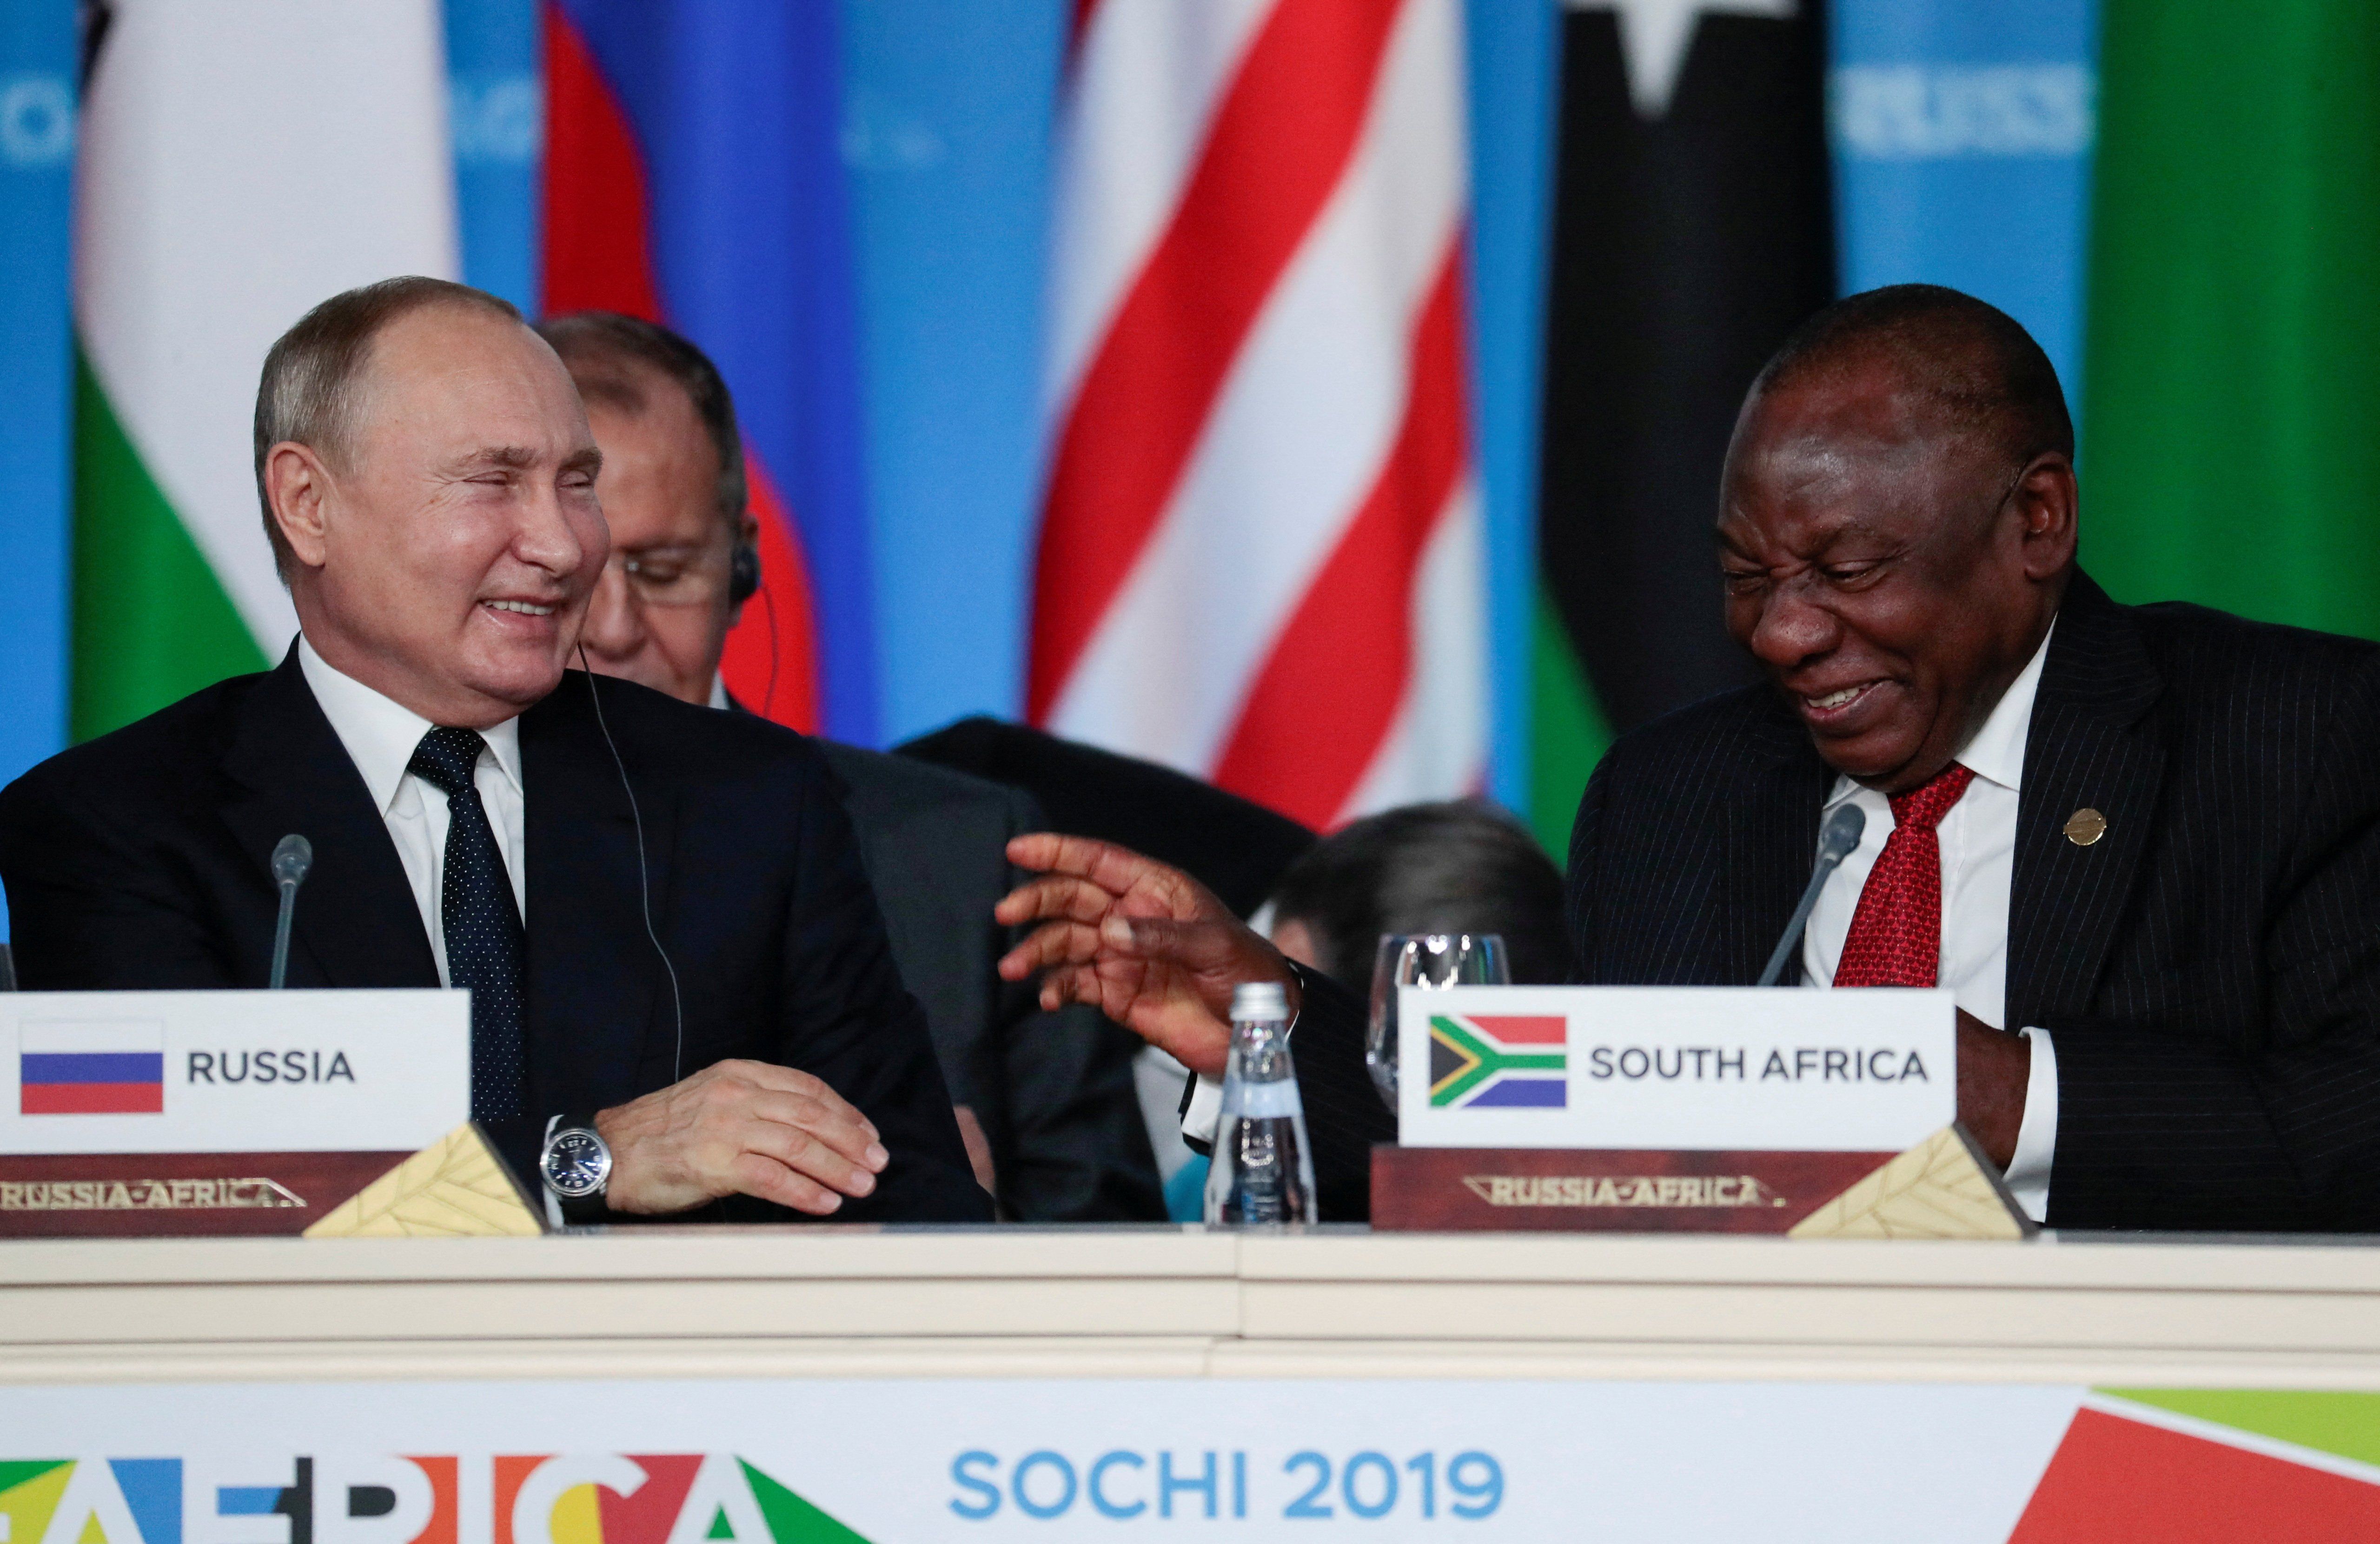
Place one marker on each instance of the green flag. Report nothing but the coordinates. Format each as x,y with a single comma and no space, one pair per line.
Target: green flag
2232,422
235,165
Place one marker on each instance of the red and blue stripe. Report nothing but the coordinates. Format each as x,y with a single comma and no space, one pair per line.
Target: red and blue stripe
91,1083
694,177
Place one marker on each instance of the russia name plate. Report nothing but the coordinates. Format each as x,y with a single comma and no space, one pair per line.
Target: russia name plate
157,1113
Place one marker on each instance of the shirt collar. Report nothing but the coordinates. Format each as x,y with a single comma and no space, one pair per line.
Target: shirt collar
381,734
719,697
1996,750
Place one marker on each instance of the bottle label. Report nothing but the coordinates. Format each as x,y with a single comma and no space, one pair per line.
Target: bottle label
1266,1101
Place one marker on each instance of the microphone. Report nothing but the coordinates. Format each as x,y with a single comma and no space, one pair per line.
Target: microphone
1844,828
292,856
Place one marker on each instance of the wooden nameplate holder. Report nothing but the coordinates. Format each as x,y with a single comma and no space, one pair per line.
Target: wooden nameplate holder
457,1187
1942,1187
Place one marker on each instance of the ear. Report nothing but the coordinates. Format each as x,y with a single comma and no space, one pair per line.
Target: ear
2047,501
298,486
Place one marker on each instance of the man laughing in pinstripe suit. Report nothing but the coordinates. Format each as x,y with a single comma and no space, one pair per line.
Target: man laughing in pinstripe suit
2142,844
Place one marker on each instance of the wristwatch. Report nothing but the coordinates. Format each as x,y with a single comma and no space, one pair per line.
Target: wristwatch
577,1167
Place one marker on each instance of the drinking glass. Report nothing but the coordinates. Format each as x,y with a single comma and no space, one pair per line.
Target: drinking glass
1431,960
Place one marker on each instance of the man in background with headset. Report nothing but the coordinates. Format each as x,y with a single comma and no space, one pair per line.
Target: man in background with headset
683,1002
1045,1099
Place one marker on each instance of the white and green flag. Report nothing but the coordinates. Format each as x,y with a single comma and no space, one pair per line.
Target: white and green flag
239,160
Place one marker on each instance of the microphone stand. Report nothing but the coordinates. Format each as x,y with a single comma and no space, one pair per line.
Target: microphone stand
1844,828
292,856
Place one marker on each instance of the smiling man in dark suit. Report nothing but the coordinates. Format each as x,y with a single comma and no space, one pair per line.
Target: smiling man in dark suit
2142,844
660,911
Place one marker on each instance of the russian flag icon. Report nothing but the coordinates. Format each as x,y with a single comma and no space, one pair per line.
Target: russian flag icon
87,1068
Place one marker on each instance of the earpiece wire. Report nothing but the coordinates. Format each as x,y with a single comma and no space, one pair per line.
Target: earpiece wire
643,877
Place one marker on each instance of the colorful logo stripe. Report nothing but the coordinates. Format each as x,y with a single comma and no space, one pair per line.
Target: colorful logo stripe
578,1499
1501,1060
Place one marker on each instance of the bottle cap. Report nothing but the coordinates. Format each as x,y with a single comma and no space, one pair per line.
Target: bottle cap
1258,1000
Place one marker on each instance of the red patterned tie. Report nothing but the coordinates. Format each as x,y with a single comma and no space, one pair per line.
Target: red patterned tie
1895,937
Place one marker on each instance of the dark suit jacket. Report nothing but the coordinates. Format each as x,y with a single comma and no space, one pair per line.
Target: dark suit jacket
140,860
1233,846
2210,967
1054,1091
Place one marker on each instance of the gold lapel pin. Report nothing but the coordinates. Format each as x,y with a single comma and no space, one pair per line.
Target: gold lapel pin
2085,826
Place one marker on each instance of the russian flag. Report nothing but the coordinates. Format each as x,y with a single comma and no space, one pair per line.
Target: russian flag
91,1069
694,177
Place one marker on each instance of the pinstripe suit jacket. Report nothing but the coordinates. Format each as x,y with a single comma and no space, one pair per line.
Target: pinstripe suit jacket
2210,967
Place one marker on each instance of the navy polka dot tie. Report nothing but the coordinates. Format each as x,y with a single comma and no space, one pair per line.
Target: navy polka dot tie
484,946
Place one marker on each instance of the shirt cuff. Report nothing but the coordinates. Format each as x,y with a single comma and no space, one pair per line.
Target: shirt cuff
2036,1136
1206,1109
553,1222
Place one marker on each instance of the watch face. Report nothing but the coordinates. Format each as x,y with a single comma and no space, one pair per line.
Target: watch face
576,1162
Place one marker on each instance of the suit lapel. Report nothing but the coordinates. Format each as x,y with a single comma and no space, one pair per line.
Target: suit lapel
2088,748
1773,840
358,924
595,991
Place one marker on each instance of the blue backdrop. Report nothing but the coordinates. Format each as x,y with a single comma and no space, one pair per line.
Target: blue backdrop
1963,133
37,94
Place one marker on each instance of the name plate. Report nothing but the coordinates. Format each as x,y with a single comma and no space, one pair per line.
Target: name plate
232,1072
1675,1068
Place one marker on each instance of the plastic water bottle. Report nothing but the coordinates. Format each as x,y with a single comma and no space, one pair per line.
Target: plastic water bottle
1263,1171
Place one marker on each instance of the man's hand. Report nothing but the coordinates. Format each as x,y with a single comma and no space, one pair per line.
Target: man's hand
1995,1069
739,1127
1145,945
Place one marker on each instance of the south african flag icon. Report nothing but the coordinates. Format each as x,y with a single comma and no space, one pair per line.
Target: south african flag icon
1479,1060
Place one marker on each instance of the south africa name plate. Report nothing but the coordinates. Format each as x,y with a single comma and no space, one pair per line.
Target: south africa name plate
1682,1109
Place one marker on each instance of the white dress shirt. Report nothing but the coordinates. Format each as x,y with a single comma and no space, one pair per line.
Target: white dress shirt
1978,842
381,736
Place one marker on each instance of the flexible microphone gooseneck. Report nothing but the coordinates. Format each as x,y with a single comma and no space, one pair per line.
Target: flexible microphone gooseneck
292,856
644,879
1844,828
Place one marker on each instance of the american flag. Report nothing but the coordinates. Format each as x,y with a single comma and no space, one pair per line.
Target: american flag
1260,554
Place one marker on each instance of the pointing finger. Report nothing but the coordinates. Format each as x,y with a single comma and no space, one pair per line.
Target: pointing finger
1050,944
1054,896
1111,868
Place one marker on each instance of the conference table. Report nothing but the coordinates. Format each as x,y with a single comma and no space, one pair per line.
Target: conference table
667,1385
